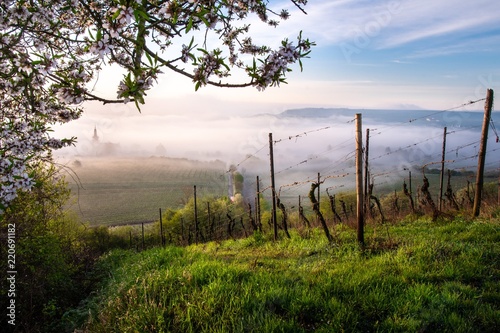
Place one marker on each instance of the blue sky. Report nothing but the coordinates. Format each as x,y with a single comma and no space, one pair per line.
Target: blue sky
401,54
396,54
426,53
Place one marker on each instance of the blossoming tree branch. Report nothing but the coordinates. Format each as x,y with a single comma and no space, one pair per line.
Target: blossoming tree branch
53,51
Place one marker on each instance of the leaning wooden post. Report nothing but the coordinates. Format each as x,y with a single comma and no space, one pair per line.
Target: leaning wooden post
273,187
359,179
482,152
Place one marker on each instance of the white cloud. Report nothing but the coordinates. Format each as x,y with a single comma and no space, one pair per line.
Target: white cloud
481,44
411,28
390,24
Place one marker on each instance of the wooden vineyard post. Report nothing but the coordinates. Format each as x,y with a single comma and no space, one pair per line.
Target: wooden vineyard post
367,205
441,177
182,229
209,223
319,202
359,180
482,152
142,226
195,218
162,239
498,198
273,187
411,191
257,204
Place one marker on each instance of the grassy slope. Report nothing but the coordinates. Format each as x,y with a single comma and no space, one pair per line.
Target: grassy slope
414,277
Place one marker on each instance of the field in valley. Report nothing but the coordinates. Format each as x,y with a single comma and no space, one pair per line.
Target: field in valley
131,190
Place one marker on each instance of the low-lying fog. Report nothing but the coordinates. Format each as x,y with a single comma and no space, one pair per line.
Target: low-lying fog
322,137
305,142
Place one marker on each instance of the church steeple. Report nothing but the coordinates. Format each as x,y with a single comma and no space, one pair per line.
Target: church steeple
95,138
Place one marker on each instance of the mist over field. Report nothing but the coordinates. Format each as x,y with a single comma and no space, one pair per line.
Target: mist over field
154,160
320,136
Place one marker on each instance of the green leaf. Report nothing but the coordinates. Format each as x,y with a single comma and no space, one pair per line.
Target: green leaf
142,14
137,106
202,50
204,20
189,25
305,55
150,60
191,43
116,14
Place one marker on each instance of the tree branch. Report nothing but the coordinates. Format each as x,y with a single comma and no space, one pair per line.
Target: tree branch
169,65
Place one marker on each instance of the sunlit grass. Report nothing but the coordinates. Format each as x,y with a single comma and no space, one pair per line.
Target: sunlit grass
428,277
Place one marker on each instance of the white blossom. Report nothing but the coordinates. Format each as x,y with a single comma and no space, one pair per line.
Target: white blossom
51,51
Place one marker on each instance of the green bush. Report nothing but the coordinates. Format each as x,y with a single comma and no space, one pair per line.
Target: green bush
54,253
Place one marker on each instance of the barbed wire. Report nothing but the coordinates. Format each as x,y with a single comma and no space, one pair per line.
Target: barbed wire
450,109
388,173
492,124
412,120
404,148
332,172
249,156
296,136
305,133
312,181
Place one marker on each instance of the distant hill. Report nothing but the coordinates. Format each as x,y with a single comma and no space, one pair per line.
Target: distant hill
317,112
425,117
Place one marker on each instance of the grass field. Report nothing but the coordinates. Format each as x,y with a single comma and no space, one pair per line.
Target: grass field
114,191
126,190
414,276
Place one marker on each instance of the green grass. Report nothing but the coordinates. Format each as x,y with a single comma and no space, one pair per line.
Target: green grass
426,277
